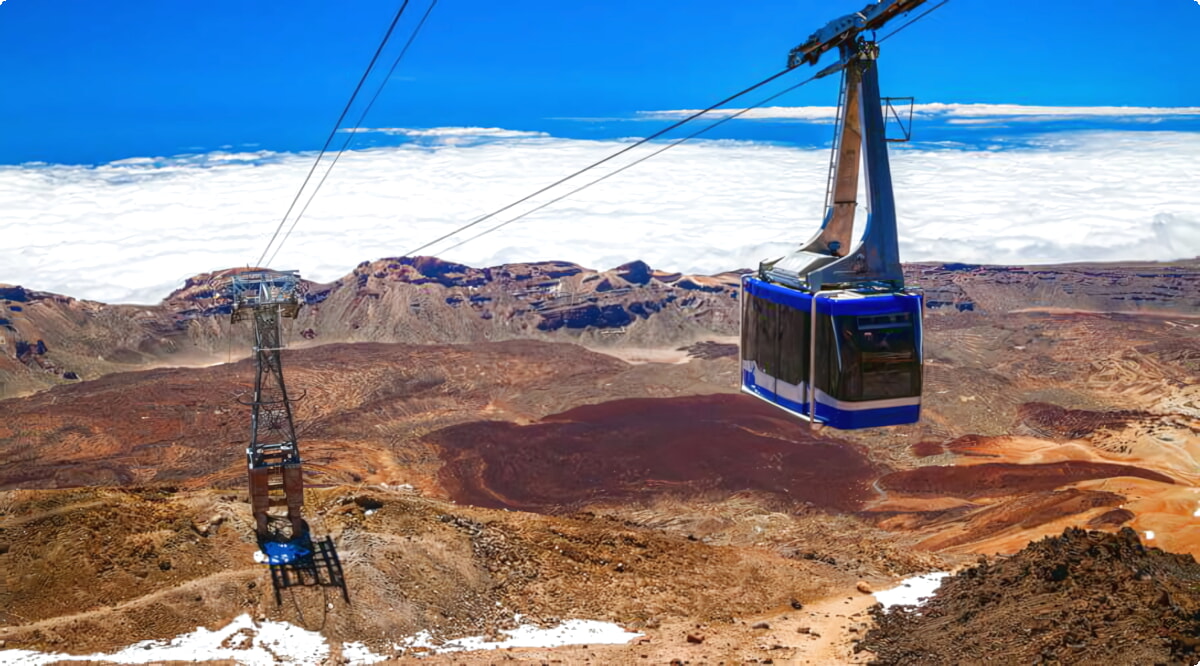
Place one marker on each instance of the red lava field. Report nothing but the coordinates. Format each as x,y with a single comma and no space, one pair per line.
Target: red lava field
990,479
630,449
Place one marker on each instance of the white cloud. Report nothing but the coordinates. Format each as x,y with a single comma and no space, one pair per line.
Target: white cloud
810,113
1017,110
449,136
132,230
954,113
436,132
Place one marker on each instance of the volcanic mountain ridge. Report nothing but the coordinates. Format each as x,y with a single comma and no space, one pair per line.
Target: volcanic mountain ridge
48,339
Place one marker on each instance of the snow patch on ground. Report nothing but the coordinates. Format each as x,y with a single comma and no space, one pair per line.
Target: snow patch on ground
268,643
358,654
571,632
911,591
243,641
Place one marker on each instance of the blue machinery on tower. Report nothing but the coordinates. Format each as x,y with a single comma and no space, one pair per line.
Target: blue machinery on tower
829,333
273,457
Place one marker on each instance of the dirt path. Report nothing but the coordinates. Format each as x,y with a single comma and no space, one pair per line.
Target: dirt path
640,355
833,619
822,632
194,585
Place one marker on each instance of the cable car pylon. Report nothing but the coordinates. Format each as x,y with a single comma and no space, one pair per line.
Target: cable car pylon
829,332
273,456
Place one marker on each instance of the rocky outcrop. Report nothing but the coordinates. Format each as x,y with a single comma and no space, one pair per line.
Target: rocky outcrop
1079,598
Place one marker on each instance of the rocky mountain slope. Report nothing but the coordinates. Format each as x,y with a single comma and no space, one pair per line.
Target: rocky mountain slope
49,339
93,569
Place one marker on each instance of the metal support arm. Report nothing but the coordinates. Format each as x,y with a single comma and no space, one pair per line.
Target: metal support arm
829,259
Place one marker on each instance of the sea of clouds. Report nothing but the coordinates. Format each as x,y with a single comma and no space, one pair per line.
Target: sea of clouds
953,113
132,230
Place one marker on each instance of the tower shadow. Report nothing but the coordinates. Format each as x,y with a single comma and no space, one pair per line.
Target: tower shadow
301,561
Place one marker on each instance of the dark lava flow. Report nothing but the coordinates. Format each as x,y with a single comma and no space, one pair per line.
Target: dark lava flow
999,479
638,448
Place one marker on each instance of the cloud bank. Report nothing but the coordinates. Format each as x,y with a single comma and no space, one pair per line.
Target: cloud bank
952,113
444,134
130,231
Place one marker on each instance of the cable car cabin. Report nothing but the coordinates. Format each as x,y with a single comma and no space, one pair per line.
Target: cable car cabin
859,351
829,332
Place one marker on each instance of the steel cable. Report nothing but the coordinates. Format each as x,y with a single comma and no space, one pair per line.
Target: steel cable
336,125
920,16
635,162
657,152
593,165
357,124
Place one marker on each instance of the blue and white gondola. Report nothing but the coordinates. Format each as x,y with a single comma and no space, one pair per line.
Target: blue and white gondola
829,332
864,370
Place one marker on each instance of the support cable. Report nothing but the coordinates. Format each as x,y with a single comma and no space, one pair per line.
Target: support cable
351,133
556,183
657,152
920,16
633,163
336,125
593,165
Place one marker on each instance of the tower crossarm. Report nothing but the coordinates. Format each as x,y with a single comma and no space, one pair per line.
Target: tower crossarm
255,289
847,28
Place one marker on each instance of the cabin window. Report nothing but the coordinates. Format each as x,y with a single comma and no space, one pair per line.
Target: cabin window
793,346
766,330
876,356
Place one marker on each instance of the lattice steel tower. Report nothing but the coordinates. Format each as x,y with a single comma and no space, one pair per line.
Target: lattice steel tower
273,457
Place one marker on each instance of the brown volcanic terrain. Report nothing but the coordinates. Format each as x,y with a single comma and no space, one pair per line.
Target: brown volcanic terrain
362,417
96,569
48,339
1075,404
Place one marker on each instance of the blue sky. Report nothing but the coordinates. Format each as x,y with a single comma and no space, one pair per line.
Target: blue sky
87,82
151,120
